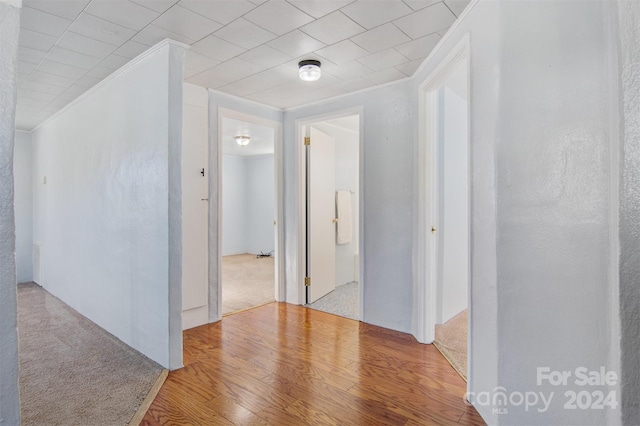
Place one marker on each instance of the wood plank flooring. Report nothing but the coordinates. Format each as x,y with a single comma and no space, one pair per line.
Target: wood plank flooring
282,364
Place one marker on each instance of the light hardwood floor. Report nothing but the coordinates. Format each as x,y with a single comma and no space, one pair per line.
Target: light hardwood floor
282,364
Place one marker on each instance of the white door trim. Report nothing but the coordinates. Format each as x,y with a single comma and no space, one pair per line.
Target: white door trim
298,293
426,282
215,203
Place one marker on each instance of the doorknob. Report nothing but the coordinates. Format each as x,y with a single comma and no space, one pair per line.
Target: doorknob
433,229
334,221
204,199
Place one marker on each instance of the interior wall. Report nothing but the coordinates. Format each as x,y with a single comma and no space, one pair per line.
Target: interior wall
260,204
234,205
541,144
629,74
22,169
386,198
9,392
107,198
347,145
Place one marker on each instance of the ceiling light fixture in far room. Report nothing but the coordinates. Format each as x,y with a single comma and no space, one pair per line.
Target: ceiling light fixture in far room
242,140
309,70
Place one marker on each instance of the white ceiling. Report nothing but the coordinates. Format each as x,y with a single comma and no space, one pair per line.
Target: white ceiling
262,138
248,48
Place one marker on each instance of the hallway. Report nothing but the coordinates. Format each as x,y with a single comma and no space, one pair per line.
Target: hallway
284,364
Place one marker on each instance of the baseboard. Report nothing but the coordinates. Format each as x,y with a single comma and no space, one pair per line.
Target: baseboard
142,410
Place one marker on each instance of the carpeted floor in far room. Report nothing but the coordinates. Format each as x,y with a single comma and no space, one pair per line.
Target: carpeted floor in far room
451,340
72,372
247,281
343,301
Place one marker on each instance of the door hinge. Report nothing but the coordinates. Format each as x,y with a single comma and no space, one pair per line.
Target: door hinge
307,140
307,281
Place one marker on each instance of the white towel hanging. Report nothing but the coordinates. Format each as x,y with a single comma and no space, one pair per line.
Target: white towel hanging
343,209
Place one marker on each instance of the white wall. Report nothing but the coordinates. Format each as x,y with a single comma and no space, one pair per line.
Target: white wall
542,120
629,72
22,169
234,205
260,204
9,393
247,204
347,145
108,218
454,202
386,199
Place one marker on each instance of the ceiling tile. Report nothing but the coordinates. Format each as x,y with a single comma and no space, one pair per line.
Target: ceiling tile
33,104
409,68
265,56
159,6
419,48
222,11
88,46
228,72
99,29
343,51
114,62
244,33
151,35
319,8
34,40
381,38
198,63
371,13
427,21
69,57
385,59
186,23
347,70
258,82
131,49
122,12
332,28
457,6
43,22
100,72
75,90
278,16
296,44
33,56
42,87
385,76
216,48
88,82
420,4
355,84
25,67
68,9
58,103
38,96
257,2
54,80
61,70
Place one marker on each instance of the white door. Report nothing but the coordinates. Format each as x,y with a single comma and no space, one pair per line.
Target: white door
195,207
321,212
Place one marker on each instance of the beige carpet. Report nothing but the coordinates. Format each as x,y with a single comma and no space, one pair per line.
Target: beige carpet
451,340
72,372
247,282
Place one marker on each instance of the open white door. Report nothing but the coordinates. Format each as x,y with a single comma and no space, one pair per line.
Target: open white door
321,211
195,207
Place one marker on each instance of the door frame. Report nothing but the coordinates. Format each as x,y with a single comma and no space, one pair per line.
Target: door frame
301,171
427,295
215,287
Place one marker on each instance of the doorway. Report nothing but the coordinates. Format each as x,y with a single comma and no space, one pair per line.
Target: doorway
332,215
447,214
248,214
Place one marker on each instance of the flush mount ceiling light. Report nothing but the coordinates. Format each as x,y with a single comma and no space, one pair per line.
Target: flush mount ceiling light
242,140
309,70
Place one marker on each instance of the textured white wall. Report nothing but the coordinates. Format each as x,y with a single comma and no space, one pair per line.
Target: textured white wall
22,169
542,140
9,395
629,57
386,199
104,215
